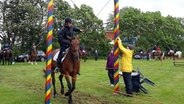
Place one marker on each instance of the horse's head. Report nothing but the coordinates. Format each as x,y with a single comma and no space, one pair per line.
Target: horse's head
74,47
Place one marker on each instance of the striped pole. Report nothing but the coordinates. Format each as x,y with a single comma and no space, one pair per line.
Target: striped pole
49,52
116,49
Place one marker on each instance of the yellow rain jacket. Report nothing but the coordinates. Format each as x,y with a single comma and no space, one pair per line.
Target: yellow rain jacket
126,59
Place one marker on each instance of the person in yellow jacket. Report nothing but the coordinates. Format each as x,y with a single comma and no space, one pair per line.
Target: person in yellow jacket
126,65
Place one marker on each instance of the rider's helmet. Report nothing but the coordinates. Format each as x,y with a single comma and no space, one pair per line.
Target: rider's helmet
68,20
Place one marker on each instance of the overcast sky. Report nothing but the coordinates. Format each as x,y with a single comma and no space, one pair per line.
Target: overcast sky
166,7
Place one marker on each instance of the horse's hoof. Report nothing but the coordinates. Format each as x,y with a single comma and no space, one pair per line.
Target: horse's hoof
70,102
62,91
55,95
67,93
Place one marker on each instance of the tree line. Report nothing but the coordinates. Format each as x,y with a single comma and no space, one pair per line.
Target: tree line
150,28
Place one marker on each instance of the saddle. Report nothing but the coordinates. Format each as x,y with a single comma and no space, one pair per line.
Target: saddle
64,54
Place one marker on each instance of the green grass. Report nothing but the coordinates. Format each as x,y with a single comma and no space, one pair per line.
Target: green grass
23,83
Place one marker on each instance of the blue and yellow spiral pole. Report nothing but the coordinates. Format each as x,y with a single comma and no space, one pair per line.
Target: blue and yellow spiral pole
49,52
116,49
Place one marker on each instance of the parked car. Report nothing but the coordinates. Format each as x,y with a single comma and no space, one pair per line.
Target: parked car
41,56
138,56
22,58
25,57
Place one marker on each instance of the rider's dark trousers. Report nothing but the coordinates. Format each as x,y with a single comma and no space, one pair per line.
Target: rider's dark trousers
63,47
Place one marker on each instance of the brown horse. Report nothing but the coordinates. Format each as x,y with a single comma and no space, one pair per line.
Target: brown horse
69,69
33,55
170,54
7,56
158,55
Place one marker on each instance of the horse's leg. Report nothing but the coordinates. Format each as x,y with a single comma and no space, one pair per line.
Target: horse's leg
69,85
9,60
70,101
61,82
3,60
73,83
69,93
153,55
69,89
35,60
53,83
31,60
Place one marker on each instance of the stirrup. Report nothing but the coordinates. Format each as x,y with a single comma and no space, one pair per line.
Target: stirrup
56,70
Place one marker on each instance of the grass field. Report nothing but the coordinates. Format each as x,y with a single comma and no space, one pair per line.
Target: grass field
23,83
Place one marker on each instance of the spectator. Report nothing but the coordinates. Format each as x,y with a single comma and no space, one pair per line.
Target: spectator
96,54
110,67
127,67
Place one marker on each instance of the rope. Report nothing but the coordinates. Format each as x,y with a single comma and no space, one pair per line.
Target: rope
100,9
74,4
103,7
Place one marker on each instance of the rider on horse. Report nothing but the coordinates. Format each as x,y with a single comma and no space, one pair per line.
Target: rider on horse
6,47
158,50
64,38
33,48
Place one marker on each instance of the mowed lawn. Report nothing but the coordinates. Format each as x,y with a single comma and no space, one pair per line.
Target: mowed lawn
23,83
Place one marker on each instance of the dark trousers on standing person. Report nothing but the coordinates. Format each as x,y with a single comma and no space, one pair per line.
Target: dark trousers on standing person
111,75
128,82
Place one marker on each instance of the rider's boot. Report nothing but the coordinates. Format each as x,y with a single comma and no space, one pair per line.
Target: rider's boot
58,63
